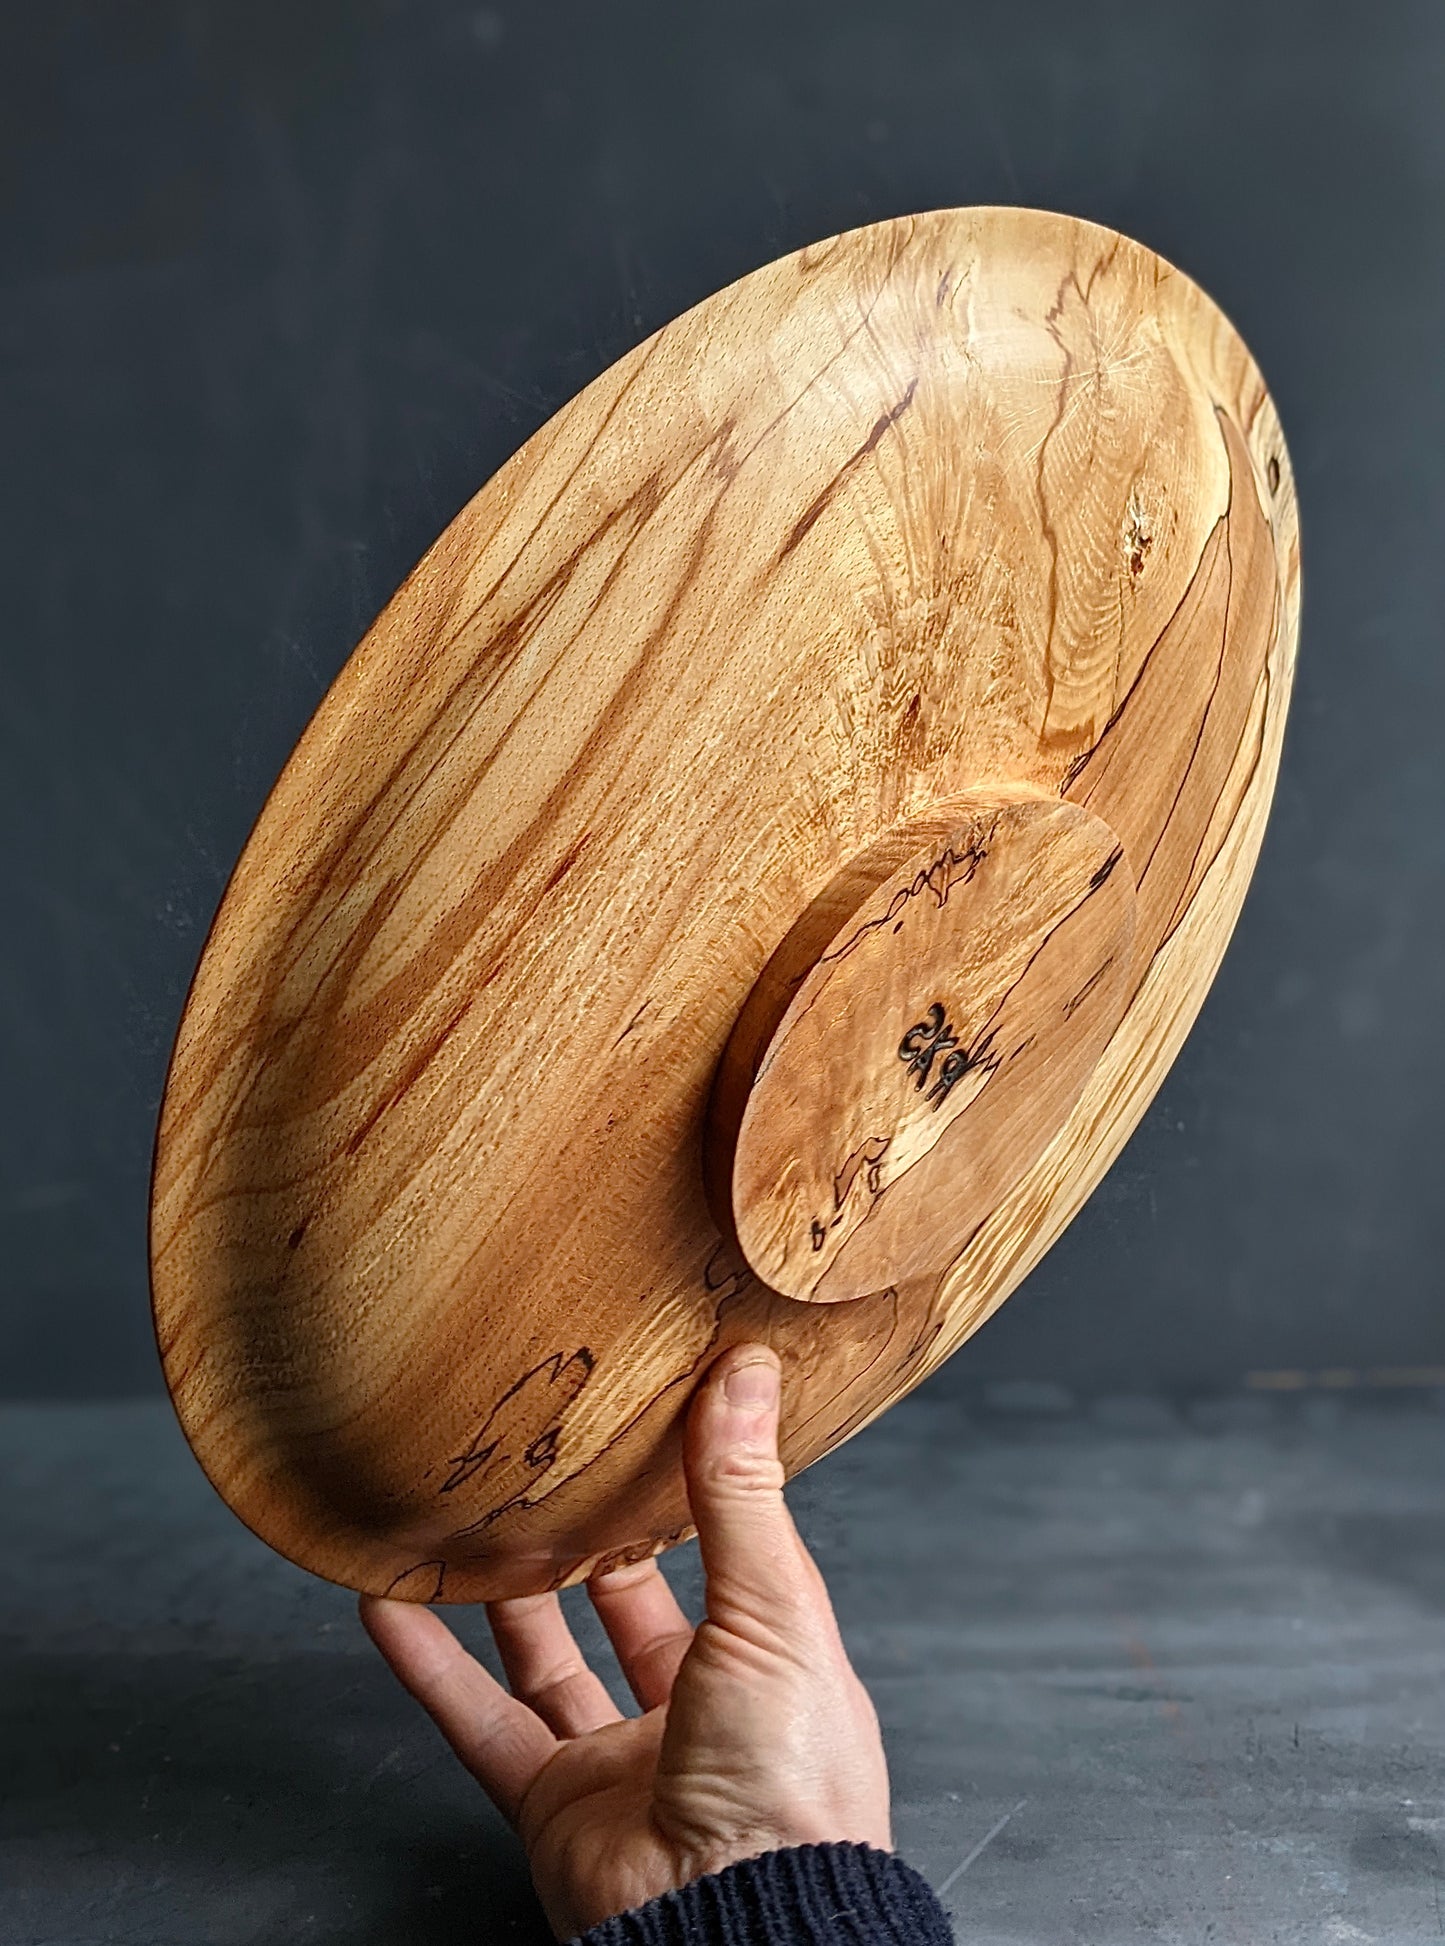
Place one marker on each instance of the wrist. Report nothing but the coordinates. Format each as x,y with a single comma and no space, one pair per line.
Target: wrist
796,1895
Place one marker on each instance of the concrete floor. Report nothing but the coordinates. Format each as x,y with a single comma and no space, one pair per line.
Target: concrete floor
1186,1668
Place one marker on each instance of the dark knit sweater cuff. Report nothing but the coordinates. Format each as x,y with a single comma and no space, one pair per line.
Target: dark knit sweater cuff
809,1895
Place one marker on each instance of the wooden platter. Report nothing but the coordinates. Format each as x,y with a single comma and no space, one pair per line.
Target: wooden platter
747,884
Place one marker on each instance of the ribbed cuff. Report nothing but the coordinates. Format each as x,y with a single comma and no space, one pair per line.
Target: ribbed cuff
809,1895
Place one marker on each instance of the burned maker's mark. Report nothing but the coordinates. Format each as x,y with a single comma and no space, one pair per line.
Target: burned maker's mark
934,1039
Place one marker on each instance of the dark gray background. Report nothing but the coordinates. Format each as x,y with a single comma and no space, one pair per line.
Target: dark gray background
283,283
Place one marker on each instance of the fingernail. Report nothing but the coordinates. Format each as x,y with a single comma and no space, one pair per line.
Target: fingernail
752,1386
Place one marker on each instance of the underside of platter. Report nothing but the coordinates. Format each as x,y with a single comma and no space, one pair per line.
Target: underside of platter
456,1187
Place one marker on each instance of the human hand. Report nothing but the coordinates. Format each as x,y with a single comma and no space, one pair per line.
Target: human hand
755,1732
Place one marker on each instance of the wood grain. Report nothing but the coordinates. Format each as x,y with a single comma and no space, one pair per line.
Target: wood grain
983,500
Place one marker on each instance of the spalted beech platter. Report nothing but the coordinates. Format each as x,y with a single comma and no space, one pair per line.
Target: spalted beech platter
747,885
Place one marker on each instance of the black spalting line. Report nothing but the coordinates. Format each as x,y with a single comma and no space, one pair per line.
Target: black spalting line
420,1568
538,1452
1221,530
1081,763
808,519
866,1160
1181,904
1205,713
925,1040
632,1024
1181,907
1101,876
1087,988
682,1378
625,1556
722,1277
968,861
980,1054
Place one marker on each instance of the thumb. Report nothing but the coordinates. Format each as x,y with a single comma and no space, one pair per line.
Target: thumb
751,1554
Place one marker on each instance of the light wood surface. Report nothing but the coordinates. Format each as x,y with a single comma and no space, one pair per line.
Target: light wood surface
983,514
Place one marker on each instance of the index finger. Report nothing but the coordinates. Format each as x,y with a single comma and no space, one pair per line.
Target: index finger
499,1740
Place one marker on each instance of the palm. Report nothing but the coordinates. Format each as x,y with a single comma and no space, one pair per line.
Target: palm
588,1819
